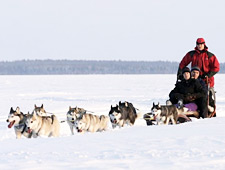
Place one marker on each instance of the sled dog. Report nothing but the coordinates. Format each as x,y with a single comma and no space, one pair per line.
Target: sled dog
40,110
122,113
42,125
72,115
92,123
163,114
17,119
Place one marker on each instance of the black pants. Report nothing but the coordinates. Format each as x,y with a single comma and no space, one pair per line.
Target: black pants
202,106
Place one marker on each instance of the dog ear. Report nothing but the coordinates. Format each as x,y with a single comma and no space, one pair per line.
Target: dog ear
42,106
159,105
34,114
119,102
18,110
70,108
11,110
28,113
126,104
153,104
111,107
76,108
35,106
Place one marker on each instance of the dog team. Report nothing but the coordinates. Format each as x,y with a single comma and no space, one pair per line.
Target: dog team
39,123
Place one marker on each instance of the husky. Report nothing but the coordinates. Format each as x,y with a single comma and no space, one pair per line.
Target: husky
182,112
40,110
92,123
72,115
122,114
163,114
42,125
18,119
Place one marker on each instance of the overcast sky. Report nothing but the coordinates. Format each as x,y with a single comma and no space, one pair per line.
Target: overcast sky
109,29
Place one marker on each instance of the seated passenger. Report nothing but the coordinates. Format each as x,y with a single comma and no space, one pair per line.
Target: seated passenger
195,72
190,90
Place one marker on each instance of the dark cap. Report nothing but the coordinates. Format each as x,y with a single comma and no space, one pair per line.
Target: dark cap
195,68
186,69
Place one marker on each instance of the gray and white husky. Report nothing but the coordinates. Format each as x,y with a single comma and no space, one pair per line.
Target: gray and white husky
92,123
163,114
39,110
17,119
43,125
72,115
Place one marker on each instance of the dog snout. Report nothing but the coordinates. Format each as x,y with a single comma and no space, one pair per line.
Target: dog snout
72,119
7,120
29,130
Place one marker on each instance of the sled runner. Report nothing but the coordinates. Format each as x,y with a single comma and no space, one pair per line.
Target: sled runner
212,102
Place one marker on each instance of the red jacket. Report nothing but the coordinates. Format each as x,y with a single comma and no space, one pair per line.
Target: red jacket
205,60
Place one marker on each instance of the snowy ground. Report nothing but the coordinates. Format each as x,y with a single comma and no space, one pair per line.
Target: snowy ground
197,145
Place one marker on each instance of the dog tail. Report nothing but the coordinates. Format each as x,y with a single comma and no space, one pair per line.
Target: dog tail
139,115
53,117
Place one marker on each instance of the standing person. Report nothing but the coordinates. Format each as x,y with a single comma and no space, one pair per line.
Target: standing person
205,60
190,90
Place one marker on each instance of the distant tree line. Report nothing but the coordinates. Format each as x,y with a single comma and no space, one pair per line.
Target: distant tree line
54,67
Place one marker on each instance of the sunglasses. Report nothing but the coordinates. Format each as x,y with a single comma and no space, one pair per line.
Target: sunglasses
200,43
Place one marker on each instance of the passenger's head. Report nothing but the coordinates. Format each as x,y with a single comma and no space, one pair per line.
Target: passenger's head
195,71
200,43
186,73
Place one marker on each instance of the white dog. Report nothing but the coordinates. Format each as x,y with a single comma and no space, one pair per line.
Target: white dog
43,125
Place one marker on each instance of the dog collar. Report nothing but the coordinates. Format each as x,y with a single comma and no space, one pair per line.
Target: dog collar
19,126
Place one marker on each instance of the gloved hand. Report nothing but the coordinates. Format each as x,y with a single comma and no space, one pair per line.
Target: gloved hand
179,77
180,104
204,75
178,96
190,97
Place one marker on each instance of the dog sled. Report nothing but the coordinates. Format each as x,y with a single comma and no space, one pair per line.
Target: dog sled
150,118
